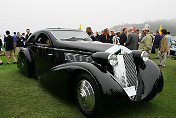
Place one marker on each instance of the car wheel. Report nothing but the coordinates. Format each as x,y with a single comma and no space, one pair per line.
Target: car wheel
87,95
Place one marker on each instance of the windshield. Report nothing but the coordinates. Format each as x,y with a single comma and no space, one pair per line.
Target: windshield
71,35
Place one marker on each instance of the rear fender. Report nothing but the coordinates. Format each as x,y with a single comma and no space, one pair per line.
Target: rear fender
26,61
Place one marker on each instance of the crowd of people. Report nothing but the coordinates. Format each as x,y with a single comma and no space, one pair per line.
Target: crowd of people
133,40
129,37
12,44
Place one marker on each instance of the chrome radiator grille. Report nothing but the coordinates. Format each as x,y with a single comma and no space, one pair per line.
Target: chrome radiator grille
131,72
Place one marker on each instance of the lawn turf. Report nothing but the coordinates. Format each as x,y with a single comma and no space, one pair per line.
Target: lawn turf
23,97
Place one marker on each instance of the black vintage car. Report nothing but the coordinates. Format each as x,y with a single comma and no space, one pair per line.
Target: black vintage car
96,72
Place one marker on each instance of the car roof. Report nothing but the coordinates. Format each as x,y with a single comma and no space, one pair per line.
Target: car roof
61,29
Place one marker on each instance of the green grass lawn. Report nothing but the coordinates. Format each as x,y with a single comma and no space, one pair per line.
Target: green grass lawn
23,97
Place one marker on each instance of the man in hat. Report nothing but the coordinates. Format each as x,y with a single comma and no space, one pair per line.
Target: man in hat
146,42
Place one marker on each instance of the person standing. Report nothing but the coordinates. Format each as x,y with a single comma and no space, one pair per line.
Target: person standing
1,49
164,48
102,34
89,32
116,38
19,43
169,42
106,38
156,44
24,40
97,36
146,43
14,40
123,37
112,34
132,40
9,47
28,33
130,30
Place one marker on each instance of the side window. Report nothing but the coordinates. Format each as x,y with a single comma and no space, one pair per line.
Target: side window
43,39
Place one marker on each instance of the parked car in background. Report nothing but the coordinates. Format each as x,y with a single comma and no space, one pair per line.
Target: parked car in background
95,72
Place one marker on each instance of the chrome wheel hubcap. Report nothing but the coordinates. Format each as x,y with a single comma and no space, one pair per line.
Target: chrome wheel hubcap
86,96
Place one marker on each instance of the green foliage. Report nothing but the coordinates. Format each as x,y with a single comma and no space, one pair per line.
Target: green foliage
23,97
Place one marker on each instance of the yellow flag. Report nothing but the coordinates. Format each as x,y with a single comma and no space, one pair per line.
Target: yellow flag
80,27
160,28
121,30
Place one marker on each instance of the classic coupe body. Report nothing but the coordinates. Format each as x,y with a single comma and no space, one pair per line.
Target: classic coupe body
97,72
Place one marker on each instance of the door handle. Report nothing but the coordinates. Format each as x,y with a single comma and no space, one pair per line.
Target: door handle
50,54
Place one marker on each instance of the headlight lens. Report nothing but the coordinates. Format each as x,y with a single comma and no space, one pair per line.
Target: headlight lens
145,56
113,60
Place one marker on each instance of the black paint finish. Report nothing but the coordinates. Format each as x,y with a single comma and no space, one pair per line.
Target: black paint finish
75,57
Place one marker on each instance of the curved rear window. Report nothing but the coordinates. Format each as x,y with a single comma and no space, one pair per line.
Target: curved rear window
70,35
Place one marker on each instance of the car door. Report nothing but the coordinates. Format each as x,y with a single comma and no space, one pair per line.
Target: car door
44,54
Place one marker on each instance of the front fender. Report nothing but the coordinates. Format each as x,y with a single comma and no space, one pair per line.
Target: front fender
107,85
152,78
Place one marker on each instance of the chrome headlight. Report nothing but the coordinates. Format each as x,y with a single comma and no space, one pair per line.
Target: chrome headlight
145,56
113,60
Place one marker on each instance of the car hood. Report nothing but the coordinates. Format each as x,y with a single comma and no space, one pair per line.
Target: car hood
92,46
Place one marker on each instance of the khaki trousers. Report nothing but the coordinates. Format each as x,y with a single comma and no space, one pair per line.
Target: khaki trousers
18,49
10,54
0,61
169,51
163,58
14,45
157,52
